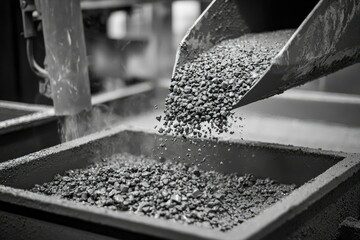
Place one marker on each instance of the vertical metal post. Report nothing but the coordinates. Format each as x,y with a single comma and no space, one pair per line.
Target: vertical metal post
66,61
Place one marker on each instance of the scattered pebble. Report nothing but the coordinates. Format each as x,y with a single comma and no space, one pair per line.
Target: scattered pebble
205,90
168,190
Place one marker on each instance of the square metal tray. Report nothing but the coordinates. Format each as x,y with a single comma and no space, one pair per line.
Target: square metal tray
328,192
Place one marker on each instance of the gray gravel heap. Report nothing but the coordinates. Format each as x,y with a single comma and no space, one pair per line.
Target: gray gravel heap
168,191
207,88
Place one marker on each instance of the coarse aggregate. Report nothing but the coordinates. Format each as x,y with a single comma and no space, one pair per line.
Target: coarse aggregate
168,190
203,91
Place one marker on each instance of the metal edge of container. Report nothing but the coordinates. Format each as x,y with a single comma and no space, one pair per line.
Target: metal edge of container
26,121
27,107
29,133
34,115
39,114
262,224
300,199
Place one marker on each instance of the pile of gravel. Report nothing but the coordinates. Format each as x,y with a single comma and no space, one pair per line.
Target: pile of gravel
168,190
206,89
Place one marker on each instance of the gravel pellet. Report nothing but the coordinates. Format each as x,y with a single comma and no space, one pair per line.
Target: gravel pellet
206,89
168,190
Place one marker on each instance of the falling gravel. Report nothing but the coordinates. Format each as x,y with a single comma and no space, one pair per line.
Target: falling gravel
204,91
168,190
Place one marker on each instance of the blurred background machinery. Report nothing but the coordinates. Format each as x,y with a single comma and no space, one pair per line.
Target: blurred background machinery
134,41
126,41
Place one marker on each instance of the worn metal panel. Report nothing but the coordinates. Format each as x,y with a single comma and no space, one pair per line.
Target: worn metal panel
326,41
66,62
318,172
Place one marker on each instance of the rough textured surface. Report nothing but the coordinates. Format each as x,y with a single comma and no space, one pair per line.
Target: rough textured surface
168,190
221,20
349,229
207,88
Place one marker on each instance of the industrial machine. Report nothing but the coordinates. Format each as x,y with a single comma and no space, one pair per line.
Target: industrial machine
66,64
333,24
65,73
301,60
328,182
